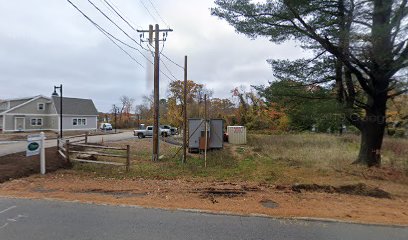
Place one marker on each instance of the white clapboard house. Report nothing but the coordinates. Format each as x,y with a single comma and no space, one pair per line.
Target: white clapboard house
41,113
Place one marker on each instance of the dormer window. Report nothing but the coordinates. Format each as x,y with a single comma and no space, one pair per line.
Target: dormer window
41,106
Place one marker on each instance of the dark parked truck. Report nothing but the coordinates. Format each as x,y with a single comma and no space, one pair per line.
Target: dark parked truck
173,130
149,132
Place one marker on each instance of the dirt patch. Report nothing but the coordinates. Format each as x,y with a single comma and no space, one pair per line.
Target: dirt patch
234,191
269,203
17,165
115,193
360,189
43,190
183,193
223,192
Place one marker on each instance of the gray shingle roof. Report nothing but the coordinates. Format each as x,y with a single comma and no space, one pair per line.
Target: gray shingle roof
75,106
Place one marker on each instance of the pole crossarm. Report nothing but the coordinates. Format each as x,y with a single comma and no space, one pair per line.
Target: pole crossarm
160,30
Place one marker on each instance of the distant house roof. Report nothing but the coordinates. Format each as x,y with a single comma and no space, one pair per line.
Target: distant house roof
75,106
22,98
29,99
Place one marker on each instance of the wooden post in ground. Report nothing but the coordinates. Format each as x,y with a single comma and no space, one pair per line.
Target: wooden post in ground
67,151
42,154
206,129
127,158
86,138
184,160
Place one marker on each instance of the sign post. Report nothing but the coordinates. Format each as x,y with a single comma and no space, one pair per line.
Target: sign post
35,146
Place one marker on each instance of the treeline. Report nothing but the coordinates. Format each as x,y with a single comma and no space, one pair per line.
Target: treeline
281,106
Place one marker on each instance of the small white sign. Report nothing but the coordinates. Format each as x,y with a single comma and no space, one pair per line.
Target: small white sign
33,145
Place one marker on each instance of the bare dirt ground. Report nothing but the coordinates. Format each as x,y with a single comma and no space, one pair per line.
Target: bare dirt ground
237,197
18,165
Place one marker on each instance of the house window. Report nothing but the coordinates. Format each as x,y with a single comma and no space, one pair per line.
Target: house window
79,121
36,121
40,106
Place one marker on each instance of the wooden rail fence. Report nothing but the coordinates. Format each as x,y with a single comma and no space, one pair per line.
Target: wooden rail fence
71,145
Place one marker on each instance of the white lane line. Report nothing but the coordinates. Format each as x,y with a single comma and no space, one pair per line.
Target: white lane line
8,209
5,225
16,218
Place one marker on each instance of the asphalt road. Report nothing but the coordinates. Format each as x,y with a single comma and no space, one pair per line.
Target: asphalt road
20,146
22,219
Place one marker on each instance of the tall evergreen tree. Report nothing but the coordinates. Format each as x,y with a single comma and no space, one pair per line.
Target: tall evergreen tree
366,39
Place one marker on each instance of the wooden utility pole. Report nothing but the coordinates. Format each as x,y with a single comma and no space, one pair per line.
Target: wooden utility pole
206,130
115,109
155,154
184,160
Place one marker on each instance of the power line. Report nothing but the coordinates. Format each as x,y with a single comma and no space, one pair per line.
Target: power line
151,15
158,14
111,37
123,31
151,51
168,70
178,65
107,34
127,22
107,7
122,49
167,76
117,13
161,60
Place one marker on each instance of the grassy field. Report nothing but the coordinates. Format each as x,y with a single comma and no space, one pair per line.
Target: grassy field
304,175
272,159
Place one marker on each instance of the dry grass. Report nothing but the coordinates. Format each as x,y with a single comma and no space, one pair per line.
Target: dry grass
307,150
323,157
271,159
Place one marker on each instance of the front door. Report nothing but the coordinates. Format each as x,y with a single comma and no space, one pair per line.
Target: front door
19,124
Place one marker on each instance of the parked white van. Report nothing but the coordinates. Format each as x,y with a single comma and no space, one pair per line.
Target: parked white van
105,126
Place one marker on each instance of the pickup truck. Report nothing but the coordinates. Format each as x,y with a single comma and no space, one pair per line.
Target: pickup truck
173,130
149,132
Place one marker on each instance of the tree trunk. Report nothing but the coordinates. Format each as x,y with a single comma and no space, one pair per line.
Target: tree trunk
373,125
371,141
372,129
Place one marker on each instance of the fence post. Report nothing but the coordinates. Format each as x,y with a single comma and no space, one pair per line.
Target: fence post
86,138
67,152
127,157
42,154
58,145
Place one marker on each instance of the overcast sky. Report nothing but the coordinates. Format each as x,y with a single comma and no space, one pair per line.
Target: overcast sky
47,42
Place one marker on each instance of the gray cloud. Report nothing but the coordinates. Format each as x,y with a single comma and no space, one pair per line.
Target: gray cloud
47,42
